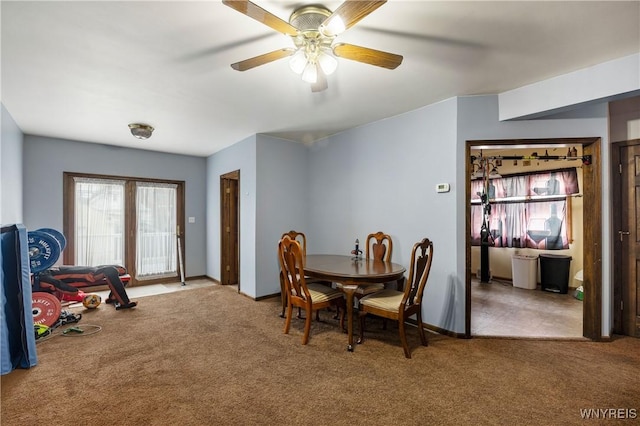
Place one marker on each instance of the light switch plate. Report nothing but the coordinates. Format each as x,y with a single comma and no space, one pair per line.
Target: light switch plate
192,219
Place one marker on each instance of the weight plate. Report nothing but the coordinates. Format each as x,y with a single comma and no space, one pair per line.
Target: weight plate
44,250
57,235
46,308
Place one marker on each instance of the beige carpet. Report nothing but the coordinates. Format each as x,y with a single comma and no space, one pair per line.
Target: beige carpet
210,356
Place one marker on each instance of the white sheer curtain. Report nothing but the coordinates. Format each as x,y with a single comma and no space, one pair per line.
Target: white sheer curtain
99,222
156,248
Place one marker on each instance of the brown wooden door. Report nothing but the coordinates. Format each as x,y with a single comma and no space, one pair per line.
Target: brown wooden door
629,237
229,229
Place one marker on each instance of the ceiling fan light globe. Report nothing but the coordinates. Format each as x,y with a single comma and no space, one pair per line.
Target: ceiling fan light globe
310,73
298,61
328,63
332,28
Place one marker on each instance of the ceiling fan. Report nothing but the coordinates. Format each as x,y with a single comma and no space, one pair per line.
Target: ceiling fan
313,30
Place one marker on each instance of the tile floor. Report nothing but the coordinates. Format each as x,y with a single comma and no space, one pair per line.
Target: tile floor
500,309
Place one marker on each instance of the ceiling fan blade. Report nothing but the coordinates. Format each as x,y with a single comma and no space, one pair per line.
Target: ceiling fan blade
247,64
321,81
348,13
254,11
367,56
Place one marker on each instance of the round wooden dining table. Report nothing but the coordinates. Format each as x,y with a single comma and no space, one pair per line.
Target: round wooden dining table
352,272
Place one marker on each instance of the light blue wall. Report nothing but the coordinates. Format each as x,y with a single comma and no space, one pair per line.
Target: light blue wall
266,189
11,143
45,160
240,156
282,202
383,177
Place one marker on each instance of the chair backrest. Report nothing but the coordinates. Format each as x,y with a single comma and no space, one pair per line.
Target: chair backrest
421,257
292,263
379,246
300,237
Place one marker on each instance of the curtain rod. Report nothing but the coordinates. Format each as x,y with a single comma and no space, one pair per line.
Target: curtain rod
586,159
526,199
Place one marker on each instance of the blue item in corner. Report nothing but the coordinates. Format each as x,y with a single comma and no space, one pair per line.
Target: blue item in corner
17,336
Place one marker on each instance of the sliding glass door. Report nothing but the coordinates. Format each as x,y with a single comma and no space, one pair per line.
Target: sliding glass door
156,243
124,221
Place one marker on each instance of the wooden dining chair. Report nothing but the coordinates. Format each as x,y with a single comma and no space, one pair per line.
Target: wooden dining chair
302,239
379,246
299,237
308,296
400,305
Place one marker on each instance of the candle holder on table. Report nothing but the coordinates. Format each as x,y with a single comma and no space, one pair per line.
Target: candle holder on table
357,252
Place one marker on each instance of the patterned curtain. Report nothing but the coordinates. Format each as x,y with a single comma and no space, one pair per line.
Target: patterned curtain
520,215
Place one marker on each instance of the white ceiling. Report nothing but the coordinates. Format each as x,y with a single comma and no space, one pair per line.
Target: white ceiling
85,70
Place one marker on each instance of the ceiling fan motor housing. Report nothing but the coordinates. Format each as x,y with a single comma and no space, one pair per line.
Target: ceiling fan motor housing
308,19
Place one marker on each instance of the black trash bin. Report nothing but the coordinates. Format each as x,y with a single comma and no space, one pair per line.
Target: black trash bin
554,272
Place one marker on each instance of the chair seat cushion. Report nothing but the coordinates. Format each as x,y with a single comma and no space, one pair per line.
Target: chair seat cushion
365,289
322,293
388,300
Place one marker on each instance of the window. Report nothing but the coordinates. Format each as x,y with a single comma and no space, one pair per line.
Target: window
99,220
529,210
123,221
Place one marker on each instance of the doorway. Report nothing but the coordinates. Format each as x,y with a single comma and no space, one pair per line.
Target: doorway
625,166
591,225
230,229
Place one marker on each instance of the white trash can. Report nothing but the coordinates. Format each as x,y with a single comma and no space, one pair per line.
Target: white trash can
524,270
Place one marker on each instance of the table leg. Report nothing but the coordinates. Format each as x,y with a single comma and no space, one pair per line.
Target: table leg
349,291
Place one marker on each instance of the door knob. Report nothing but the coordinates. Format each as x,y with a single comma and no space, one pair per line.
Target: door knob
621,233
